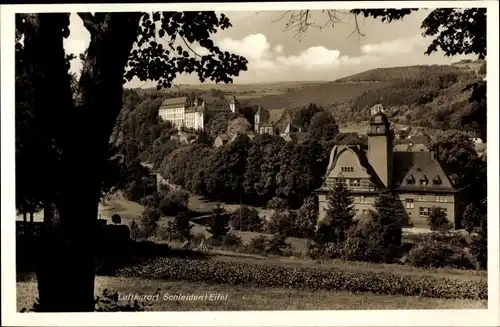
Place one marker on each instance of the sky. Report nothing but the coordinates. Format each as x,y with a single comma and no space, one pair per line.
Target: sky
276,54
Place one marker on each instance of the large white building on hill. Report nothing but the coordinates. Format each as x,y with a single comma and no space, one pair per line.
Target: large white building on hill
190,111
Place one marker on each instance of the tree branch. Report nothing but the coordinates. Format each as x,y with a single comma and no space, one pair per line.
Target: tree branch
90,22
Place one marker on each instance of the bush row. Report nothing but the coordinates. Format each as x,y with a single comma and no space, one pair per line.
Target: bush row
234,273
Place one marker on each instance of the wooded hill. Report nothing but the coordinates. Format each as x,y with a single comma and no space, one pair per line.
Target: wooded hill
428,96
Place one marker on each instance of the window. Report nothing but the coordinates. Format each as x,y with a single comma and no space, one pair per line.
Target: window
409,181
365,183
347,169
425,212
441,198
409,204
420,197
437,180
362,199
354,182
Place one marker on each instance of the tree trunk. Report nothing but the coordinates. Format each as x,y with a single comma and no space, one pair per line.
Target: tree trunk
66,268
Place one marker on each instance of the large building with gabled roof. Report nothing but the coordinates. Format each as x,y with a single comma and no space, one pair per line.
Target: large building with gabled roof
274,121
190,111
417,178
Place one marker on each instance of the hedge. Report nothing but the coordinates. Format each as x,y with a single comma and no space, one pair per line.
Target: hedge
234,273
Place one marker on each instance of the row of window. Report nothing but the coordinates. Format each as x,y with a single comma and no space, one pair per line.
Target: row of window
409,203
426,211
347,169
423,211
424,181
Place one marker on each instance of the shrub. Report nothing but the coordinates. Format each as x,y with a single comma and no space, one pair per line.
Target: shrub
174,202
257,245
180,228
432,253
231,240
268,275
471,218
149,222
277,203
246,218
277,244
438,220
280,222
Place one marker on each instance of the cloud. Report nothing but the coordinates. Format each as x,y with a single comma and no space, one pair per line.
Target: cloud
313,57
253,46
278,48
398,46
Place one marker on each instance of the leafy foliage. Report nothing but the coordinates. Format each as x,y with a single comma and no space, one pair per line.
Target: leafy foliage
149,221
302,117
190,27
307,217
246,218
479,246
219,223
323,126
339,215
180,228
379,237
438,220
433,253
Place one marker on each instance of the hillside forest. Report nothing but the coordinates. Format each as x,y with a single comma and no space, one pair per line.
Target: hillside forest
257,171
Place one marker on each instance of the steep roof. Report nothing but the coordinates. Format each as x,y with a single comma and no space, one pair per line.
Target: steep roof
173,102
410,148
419,166
297,136
208,102
417,139
274,116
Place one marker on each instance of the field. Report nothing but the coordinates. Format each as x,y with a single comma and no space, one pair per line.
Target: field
253,298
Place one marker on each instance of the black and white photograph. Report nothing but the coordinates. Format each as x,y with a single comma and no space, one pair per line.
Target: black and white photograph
266,162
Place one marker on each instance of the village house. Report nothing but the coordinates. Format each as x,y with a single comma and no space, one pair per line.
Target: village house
226,138
191,111
274,121
221,140
418,179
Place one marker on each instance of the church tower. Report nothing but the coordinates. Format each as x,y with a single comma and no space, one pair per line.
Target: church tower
380,147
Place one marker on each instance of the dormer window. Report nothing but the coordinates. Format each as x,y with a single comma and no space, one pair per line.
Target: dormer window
410,180
423,181
437,180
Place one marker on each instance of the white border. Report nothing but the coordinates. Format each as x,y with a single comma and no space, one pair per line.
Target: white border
489,317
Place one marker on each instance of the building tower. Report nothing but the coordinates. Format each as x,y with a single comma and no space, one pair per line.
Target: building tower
380,147
233,105
257,118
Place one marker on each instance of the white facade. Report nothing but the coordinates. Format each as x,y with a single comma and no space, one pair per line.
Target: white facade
189,119
199,122
173,114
